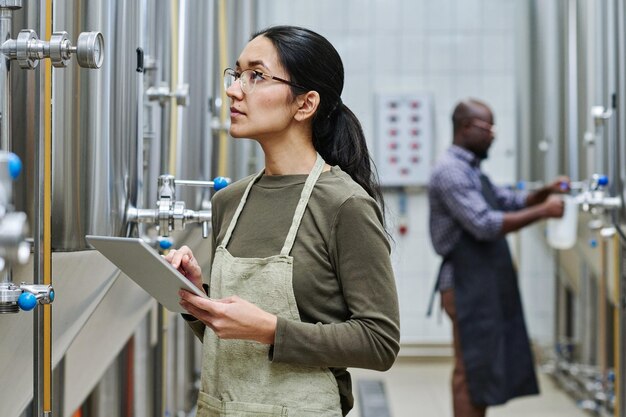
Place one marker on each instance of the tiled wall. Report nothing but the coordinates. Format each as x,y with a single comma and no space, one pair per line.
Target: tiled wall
453,49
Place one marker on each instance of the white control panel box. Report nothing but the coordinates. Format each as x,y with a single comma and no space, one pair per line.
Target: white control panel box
404,137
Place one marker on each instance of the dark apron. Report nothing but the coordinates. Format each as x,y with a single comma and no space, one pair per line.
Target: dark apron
496,351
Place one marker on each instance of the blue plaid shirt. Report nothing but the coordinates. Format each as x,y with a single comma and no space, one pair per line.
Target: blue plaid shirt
457,203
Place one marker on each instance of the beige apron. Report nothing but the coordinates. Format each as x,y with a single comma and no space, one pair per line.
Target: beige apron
238,379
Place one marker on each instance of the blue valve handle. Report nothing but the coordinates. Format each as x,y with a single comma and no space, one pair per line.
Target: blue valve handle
220,182
27,301
603,180
165,243
15,165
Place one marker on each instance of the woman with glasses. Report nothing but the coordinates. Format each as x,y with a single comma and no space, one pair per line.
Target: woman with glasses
301,283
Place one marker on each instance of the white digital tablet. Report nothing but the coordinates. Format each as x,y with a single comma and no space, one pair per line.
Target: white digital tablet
146,267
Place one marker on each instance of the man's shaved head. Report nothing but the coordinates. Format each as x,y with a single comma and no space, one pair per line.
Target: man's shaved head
472,122
465,110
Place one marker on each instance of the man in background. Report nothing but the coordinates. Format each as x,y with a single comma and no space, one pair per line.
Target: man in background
469,219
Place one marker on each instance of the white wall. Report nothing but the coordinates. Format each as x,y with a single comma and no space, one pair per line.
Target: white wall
453,49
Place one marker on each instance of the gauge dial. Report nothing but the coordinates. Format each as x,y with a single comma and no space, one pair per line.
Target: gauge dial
90,49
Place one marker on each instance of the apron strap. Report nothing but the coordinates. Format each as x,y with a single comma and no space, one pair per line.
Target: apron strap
431,301
302,203
233,222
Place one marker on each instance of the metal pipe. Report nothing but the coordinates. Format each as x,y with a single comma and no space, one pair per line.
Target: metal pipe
224,108
5,85
173,133
42,326
195,183
572,70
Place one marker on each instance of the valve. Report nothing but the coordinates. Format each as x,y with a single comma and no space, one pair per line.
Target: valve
163,94
24,297
42,294
171,215
595,198
28,49
600,114
610,376
165,243
218,183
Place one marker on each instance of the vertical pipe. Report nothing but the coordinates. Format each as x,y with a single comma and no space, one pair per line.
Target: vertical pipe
179,63
173,87
603,331
223,62
159,355
141,378
180,360
5,83
42,349
212,73
5,106
572,70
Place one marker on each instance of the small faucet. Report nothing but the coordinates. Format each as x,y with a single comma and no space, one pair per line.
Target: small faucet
595,199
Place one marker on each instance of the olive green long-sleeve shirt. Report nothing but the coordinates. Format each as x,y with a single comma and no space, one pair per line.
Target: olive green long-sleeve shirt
342,277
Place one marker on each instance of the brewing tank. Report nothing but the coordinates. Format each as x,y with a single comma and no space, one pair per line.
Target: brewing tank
96,125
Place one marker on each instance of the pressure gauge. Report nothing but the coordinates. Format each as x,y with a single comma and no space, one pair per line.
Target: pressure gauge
90,49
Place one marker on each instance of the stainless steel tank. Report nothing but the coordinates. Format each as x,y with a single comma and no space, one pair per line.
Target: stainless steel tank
97,125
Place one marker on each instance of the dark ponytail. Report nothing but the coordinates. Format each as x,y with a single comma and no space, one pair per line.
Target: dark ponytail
312,62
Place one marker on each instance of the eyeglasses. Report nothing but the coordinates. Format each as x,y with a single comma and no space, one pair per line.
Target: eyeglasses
248,79
481,124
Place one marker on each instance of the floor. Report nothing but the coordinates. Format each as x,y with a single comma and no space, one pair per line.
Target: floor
420,387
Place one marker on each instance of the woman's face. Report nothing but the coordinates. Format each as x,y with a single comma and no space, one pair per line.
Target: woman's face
269,109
